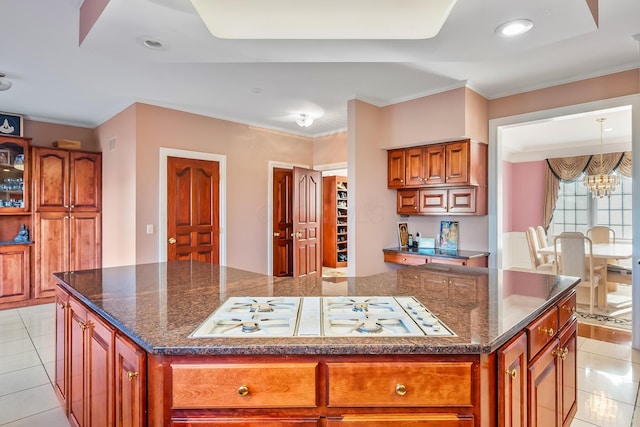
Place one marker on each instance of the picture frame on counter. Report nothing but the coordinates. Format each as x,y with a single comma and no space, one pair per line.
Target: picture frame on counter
449,235
10,124
5,157
403,234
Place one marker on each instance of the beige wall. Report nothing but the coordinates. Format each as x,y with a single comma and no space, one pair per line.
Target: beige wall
117,139
330,149
44,134
248,151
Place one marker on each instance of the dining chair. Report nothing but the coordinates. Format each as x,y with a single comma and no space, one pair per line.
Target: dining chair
573,256
538,262
543,242
601,234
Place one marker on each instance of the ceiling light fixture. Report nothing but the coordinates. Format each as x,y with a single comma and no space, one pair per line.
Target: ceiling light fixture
601,185
5,84
514,28
326,19
304,120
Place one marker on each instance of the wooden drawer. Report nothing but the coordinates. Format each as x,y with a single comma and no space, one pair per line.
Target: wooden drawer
406,259
566,309
251,385
247,422
406,420
540,332
400,384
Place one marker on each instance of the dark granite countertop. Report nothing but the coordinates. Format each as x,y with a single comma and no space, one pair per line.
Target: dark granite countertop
159,305
436,252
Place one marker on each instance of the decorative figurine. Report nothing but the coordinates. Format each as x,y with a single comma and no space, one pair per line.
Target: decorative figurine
23,235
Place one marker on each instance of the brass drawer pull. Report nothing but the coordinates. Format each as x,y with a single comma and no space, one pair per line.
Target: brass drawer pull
401,390
131,375
549,331
569,309
512,373
243,390
564,352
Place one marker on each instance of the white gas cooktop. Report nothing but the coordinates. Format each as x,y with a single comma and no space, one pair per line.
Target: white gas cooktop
361,316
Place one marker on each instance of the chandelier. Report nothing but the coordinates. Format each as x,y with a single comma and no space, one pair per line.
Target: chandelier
601,184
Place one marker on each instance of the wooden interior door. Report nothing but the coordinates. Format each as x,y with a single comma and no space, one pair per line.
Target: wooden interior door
307,222
193,228
282,222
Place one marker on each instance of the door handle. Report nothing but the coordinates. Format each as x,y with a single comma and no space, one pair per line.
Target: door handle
298,234
276,234
172,240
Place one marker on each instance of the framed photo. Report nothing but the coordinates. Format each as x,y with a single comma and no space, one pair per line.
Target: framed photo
5,157
403,234
449,235
10,124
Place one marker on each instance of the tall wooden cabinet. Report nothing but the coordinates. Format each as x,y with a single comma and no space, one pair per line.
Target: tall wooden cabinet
334,216
15,212
67,187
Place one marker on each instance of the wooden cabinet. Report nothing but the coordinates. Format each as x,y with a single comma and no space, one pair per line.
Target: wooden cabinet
130,384
425,176
15,216
90,368
512,383
537,383
99,375
439,201
454,163
68,222
408,258
335,213
15,262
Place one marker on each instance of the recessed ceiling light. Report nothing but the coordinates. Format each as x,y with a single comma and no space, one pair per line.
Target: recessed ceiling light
514,28
5,84
151,43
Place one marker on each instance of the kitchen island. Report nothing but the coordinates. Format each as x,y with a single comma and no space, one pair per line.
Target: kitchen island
125,355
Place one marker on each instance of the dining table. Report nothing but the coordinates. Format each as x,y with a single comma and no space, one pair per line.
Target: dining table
601,252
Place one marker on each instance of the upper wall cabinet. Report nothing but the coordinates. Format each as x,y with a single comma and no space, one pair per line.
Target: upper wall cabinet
425,178
451,164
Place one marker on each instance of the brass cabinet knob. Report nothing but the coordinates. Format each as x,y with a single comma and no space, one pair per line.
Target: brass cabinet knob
569,309
83,325
549,331
172,240
564,352
243,390
512,373
401,390
131,375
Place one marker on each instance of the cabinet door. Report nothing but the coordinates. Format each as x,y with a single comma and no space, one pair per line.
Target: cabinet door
568,386
62,305
395,168
85,243
130,382
99,374
512,383
462,200
414,167
434,165
457,163
51,250
85,182
51,179
433,201
542,380
15,261
407,201
76,365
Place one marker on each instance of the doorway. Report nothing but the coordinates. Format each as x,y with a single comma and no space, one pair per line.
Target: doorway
296,222
164,154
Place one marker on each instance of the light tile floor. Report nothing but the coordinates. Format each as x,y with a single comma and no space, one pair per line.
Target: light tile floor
608,375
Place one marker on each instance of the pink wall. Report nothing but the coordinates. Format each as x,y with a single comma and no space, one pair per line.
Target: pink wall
526,195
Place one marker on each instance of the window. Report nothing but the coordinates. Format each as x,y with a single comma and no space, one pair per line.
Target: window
576,210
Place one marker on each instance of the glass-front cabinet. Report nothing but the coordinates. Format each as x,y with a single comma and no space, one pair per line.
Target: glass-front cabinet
14,189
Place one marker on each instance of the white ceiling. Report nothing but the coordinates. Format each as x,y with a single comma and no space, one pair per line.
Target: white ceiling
268,83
